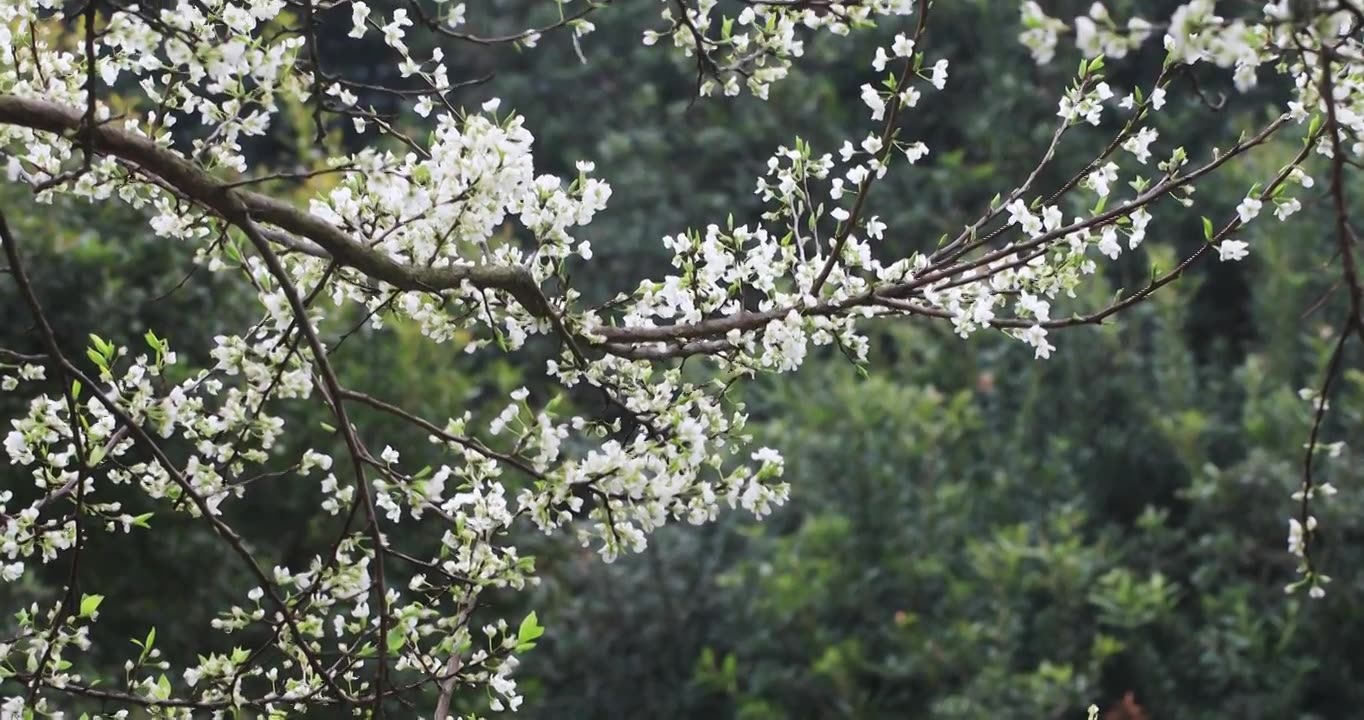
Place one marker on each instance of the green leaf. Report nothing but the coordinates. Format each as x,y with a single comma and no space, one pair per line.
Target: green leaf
232,251
1207,229
1314,125
529,631
75,389
141,521
146,645
395,639
89,604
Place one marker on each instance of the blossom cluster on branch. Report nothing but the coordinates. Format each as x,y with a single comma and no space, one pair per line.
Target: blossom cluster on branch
413,231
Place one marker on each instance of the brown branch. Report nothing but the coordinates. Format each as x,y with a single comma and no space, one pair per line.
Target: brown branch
1354,321
749,320
222,529
887,138
212,194
241,218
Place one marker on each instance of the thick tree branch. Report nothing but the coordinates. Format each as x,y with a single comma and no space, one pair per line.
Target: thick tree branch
212,193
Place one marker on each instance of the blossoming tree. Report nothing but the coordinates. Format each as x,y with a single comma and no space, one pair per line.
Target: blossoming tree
150,104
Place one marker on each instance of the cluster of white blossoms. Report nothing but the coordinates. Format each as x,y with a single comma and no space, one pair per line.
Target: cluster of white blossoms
756,47
415,229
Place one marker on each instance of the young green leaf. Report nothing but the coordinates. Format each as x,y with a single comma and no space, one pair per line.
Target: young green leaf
89,604
395,638
529,631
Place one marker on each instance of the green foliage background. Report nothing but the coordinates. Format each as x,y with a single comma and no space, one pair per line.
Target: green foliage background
973,534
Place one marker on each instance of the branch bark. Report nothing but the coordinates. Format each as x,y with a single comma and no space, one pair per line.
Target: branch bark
216,196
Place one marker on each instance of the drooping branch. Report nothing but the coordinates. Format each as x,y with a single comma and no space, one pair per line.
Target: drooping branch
134,427
221,198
